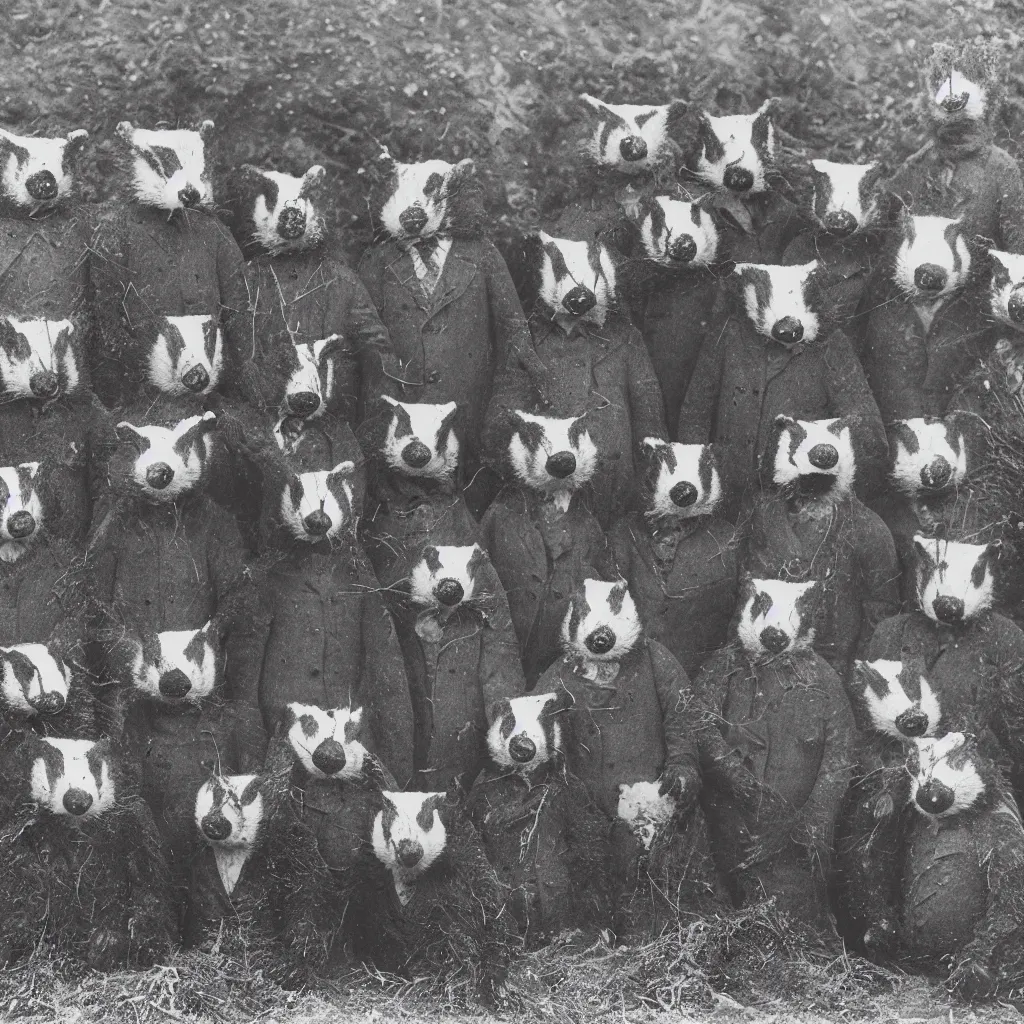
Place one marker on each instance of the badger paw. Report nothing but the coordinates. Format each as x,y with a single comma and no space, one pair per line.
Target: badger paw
108,948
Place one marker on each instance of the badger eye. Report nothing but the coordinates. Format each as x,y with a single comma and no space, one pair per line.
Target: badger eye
433,183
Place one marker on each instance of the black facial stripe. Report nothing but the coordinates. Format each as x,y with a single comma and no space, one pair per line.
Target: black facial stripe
445,429
189,441
425,815
836,428
53,758
7,146
696,214
867,184
308,725
95,759
5,492
909,230
580,610
558,266
476,560
594,259
250,792
25,484
762,285
503,714
904,434
641,119
388,815
1000,276
667,457
803,602
531,434
13,342
951,234
797,436
433,183
978,570
196,647
432,558
616,596
150,643
295,491
175,340
657,214
270,191
23,667
713,148
759,134
210,339
352,730
822,191
401,420
169,159
705,469
762,604
875,681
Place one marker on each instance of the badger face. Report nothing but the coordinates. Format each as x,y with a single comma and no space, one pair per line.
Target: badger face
929,455
284,216
897,701
326,742
844,200
310,387
777,616
34,680
417,205
229,815
445,577
813,458
168,461
676,233
644,809
628,137
318,506
21,512
421,440
72,777
187,355
169,169
680,480
526,734
602,623
553,456
781,301
736,151
954,580
38,358
409,836
957,85
36,173
944,776
1006,292
178,666
577,280
933,259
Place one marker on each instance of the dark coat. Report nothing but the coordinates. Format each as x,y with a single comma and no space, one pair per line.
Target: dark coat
767,222
40,591
683,577
848,549
541,558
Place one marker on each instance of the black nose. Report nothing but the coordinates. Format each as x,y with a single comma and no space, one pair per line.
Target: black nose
42,185
930,278
174,684
1015,307
44,384
317,522
416,454
912,722
21,525
449,592
196,379
159,475
291,223
49,703
632,147
188,196
601,641
739,179
948,609
937,473
934,797
774,639
823,456
839,222
522,749
413,219
410,853
683,494
951,104
329,757
77,801
303,403
561,465
788,330
683,249
216,827
579,300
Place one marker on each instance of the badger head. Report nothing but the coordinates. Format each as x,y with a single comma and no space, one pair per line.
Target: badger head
409,836
776,616
602,623
37,173
783,303
1006,290
21,511
229,814
39,358
448,577
326,742
575,281
72,778
187,355
896,699
525,733
929,454
277,213
962,87
318,506
309,390
645,809
948,776
34,679
419,199
679,481
162,464
811,459
420,440
178,666
933,257
628,137
552,456
169,170
844,200
954,580
677,233
735,152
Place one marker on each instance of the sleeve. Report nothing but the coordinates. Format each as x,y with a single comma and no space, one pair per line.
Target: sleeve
879,571
369,272
647,407
1011,209
887,640
801,250
364,329
520,565
698,411
680,722
501,671
1006,717
894,362
236,310
508,324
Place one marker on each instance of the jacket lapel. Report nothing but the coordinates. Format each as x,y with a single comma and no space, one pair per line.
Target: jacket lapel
456,276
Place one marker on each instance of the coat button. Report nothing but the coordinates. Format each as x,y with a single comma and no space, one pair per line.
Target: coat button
433,377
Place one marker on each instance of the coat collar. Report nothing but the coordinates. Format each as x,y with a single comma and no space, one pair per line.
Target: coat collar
457,274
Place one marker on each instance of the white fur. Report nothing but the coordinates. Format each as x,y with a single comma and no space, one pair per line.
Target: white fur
845,180
454,565
783,615
406,827
425,420
231,853
291,192
644,809
330,725
166,373
530,466
42,336
50,676
11,549
317,494
526,713
956,84
43,155
409,182
187,471
791,466
77,774
930,246
654,132
579,272
952,577
150,187
933,443
202,675
786,299
884,711
933,765
678,223
734,133
687,471
1000,298
625,623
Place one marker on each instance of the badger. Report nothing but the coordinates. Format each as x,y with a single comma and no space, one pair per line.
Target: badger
40,359
275,213
38,174
420,440
844,196
186,355
1006,289
169,169
318,506
21,512
630,137
782,302
776,617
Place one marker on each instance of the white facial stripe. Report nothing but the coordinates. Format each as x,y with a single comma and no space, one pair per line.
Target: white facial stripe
624,624
317,496
530,467
527,714
955,564
933,444
679,227
49,679
41,337
791,465
405,832
687,471
44,155
409,184
930,247
786,298
76,782
604,144
314,726
783,615
734,133
955,85
167,372
579,272
845,180
425,420
151,187
644,810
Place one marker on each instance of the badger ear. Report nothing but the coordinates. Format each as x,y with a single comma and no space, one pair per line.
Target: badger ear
252,790
650,445
782,422
465,167
891,208
921,551
205,129
592,105
125,431
312,181
343,469
75,141
126,132
385,162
